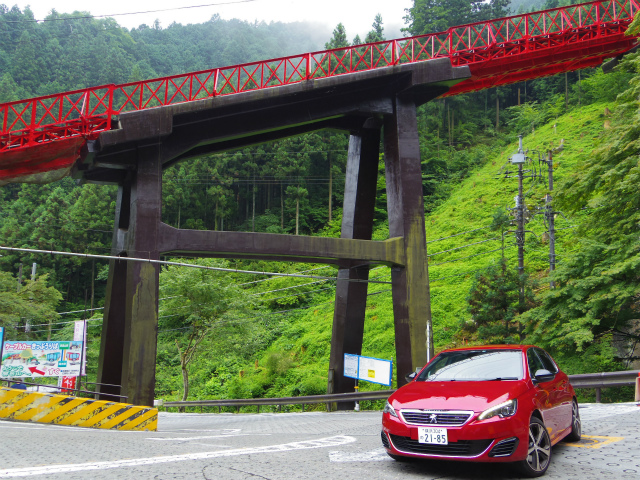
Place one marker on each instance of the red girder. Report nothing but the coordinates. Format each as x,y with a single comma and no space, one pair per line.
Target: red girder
498,52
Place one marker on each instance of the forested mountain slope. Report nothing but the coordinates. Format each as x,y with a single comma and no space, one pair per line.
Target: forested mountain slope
241,336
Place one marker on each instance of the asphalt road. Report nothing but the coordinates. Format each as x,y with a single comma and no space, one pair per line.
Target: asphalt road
342,446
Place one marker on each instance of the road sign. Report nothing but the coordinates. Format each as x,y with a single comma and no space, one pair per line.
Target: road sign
369,369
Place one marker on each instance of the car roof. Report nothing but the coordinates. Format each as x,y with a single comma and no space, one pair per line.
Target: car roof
490,347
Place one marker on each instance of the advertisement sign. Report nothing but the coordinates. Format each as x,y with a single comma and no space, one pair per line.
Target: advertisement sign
369,369
40,359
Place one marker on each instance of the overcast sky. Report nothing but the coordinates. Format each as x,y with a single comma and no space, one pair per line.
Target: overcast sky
356,15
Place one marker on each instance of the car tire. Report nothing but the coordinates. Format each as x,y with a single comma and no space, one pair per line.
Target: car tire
538,456
576,424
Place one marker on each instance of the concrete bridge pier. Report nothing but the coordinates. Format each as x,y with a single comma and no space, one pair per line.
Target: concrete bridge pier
130,328
351,287
405,206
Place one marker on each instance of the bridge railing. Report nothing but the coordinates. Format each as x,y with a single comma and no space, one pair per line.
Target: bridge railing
596,381
89,111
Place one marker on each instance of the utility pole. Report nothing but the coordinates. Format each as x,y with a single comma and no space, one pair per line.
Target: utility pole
20,277
27,323
549,215
519,159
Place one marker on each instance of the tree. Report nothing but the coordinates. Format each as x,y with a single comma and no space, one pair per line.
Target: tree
34,302
297,193
339,39
432,16
377,34
598,286
199,303
501,221
8,89
493,302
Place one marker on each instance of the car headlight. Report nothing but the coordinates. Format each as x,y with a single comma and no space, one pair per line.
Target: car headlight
390,410
505,409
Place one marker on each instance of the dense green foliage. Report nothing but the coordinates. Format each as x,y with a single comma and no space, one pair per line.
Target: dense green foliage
251,336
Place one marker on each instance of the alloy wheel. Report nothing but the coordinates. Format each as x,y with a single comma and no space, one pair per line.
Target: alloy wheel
539,453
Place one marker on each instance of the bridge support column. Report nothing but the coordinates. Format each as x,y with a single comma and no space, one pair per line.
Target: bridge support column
405,202
351,287
128,348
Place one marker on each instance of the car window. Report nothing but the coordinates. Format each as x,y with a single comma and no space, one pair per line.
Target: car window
534,362
546,360
474,365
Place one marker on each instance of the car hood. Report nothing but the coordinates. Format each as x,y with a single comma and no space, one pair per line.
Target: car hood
476,396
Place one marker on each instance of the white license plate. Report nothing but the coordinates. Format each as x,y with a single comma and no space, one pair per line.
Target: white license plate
433,435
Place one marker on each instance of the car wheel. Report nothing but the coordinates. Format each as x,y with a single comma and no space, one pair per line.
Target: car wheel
576,424
539,452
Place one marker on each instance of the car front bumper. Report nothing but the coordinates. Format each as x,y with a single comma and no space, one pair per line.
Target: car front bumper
493,440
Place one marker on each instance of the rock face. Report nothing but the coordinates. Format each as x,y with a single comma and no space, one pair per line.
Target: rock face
627,345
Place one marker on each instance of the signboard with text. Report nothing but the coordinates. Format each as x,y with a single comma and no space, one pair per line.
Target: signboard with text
369,369
40,359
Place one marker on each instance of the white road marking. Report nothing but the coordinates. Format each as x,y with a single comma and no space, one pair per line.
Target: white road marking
183,439
373,456
78,467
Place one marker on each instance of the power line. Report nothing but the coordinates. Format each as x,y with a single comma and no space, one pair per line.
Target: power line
457,234
61,19
463,258
463,246
178,264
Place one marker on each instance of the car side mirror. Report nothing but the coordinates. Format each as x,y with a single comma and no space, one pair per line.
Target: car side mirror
543,375
410,376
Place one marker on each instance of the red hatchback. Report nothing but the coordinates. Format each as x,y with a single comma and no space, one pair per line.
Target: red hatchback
498,403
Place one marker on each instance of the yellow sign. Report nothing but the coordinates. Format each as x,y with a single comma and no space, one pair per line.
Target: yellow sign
371,373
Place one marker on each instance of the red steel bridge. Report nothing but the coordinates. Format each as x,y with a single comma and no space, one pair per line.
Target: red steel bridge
46,133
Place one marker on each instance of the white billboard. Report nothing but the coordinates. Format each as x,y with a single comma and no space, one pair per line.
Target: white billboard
369,369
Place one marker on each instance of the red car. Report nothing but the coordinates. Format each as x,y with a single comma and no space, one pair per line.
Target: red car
498,403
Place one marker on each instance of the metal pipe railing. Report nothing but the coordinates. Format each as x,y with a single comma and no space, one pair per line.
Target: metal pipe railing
579,381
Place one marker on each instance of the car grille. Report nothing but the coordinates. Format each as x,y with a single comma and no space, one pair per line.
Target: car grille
462,448
435,417
385,440
504,448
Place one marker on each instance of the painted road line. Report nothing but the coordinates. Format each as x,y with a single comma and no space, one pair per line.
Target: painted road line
594,441
186,439
79,467
379,455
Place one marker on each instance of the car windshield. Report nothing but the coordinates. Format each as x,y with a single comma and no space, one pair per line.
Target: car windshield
474,365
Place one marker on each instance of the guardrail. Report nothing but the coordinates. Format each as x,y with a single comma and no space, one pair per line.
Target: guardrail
585,380
24,385
605,380
305,400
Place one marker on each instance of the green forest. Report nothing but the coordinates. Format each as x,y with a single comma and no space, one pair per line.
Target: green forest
233,335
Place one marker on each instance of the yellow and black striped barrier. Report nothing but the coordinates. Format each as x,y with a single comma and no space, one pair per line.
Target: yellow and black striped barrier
22,405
